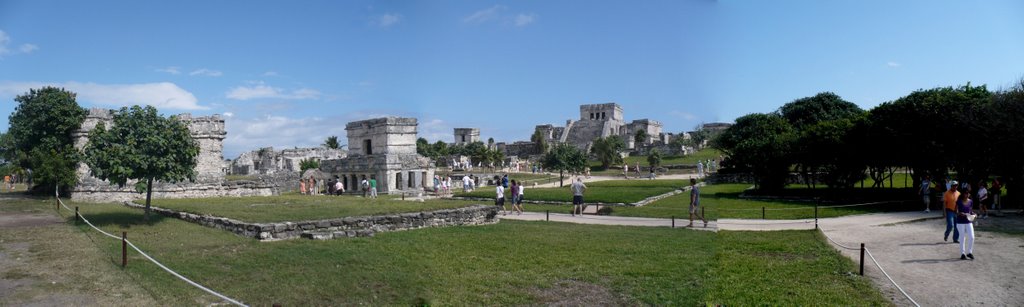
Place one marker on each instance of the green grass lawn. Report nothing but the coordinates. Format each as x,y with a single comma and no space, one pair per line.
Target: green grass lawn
610,191
700,155
510,263
296,207
722,201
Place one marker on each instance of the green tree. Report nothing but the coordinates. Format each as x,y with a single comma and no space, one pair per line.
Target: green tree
759,143
821,124
654,158
423,148
698,136
640,137
40,133
564,158
608,150
332,142
142,145
821,107
307,164
440,149
540,141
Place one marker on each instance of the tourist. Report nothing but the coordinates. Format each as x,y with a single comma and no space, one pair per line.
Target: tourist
465,184
651,175
373,187
519,200
339,188
514,191
365,186
700,169
499,198
7,183
437,184
982,198
996,194
448,185
330,186
964,225
925,192
316,188
695,203
636,168
588,172
949,201
577,196
625,170
504,181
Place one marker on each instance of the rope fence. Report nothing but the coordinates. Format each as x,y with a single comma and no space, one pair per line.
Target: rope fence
147,256
864,250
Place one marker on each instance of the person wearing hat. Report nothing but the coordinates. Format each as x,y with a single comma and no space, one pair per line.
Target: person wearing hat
949,201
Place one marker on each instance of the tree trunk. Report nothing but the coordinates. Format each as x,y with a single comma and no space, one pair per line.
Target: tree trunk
149,195
561,179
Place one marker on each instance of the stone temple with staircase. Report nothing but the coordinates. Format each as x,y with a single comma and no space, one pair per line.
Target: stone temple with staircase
383,149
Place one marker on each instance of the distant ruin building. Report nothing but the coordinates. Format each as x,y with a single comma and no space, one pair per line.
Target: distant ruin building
266,161
383,149
209,134
465,136
599,121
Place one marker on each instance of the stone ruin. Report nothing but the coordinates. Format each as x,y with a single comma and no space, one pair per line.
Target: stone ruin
209,133
266,161
598,121
466,135
383,149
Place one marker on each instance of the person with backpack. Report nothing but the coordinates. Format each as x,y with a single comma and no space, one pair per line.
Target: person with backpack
373,187
365,186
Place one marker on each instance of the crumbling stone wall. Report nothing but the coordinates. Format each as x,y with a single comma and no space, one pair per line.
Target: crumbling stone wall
361,226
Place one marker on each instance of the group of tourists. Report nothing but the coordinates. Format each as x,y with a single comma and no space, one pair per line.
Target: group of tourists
959,201
443,185
515,190
706,167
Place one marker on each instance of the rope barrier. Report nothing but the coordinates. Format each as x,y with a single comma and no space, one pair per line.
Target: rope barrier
877,265
890,278
165,268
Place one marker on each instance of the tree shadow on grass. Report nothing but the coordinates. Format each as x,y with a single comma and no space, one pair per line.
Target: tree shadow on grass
123,219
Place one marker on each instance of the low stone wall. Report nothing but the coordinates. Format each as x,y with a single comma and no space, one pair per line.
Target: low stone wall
113,193
357,226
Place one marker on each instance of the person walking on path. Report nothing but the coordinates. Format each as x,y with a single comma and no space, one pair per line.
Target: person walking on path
964,215
577,195
700,170
365,186
514,191
518,206
926,193
636,168
695,203
625,170
996,191
373,187
499,198
949,200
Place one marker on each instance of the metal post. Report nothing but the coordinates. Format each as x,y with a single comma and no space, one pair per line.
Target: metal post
124,249
76,214
547,215
702,212
762,213
673,221
862,259
817,200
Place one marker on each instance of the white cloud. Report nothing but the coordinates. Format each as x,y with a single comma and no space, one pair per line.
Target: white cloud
270,74
525,19
893,64
280,132
434,130
388,20
174,70
163,95
28,48
261,91
206,72
22,49
484,14
228,114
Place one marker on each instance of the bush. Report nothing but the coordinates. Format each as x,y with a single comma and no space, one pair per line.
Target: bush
604,211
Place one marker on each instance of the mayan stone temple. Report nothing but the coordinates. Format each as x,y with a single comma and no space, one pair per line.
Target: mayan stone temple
209,133
383,149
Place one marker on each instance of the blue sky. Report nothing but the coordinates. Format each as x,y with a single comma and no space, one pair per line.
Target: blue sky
288,74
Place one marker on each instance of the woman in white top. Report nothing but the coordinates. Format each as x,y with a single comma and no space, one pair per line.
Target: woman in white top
518,206
499,199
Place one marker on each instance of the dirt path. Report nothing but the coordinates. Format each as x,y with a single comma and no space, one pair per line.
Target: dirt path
908,245
44,262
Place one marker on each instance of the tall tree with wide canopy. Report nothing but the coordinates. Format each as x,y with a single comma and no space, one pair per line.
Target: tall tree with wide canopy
40,136
821,123
760,143
564,158
142,145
